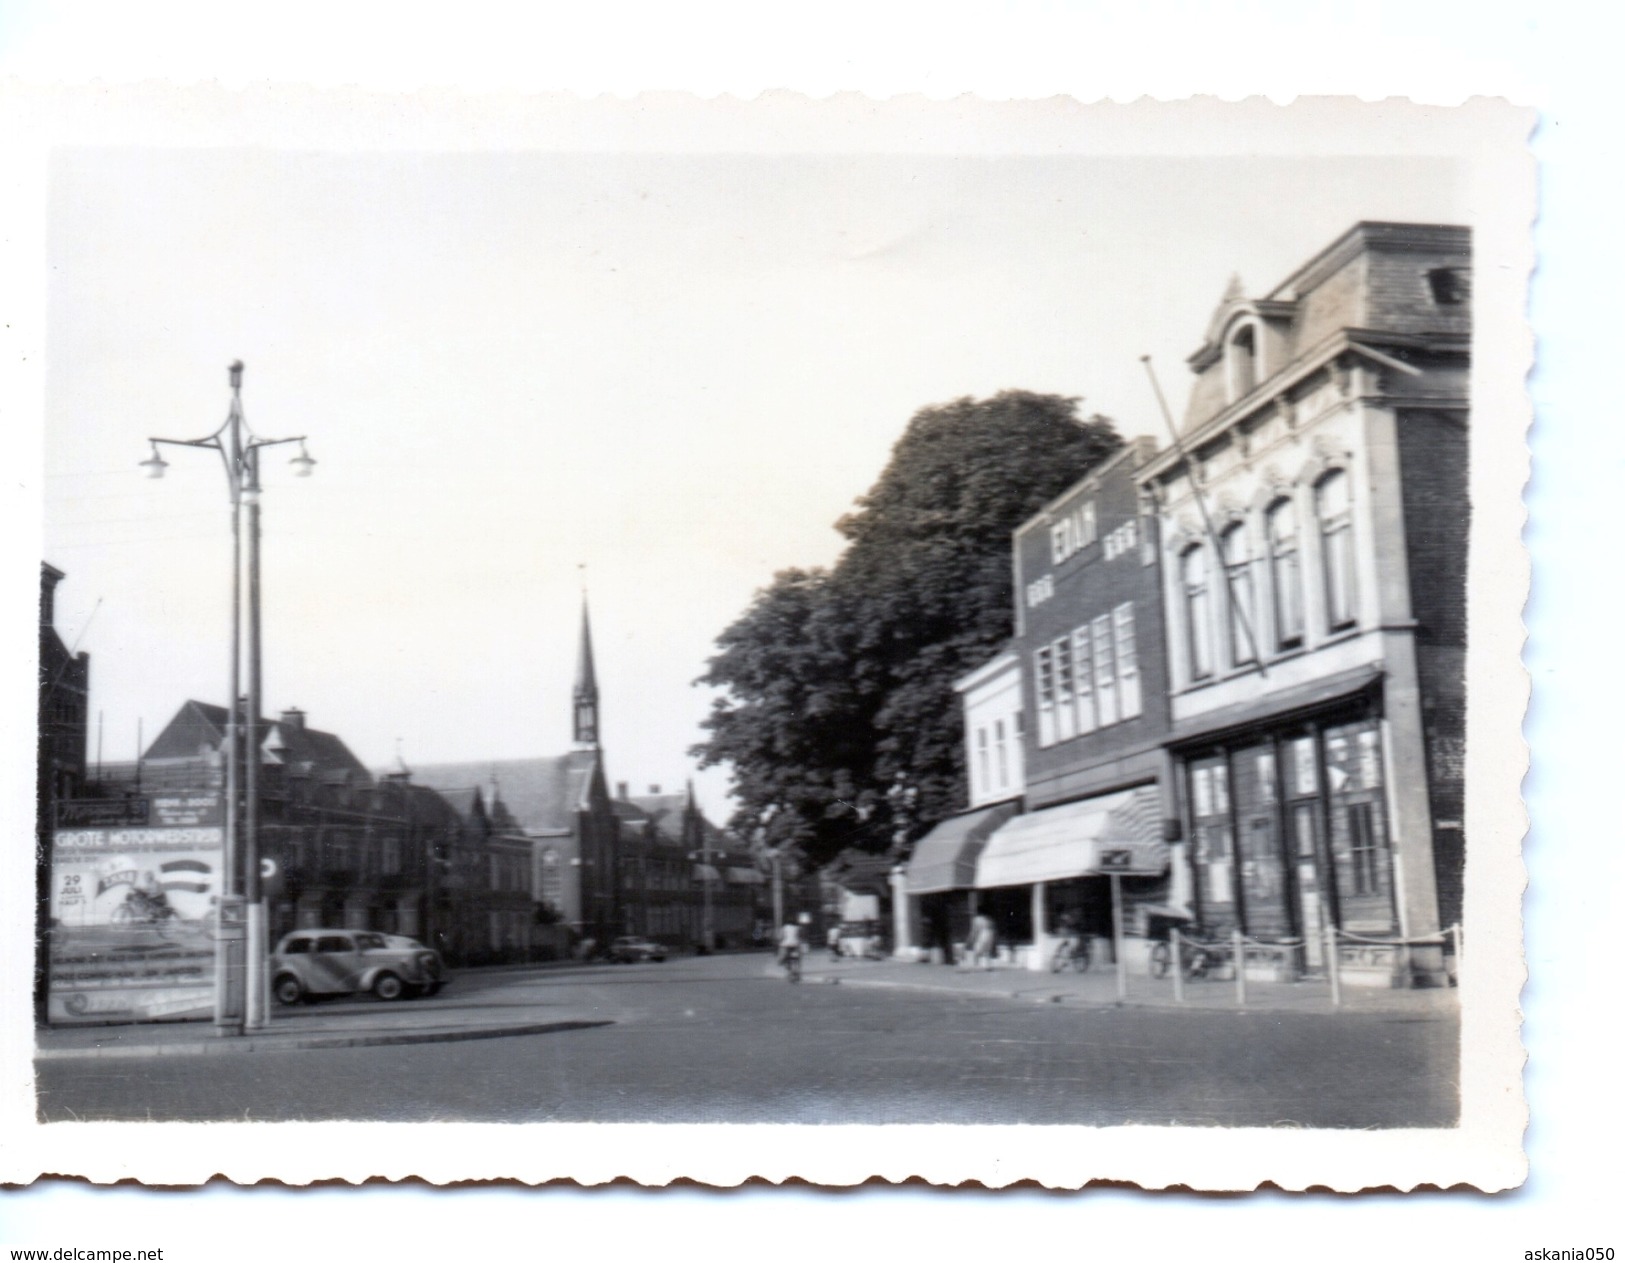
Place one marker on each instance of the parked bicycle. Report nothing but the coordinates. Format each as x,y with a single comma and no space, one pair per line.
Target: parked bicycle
1073,953
1199,957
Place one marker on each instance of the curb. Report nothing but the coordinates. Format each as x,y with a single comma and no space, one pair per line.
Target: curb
298,1043
1038,996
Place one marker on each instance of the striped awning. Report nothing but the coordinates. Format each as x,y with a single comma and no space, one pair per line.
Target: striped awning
945,858
1113,833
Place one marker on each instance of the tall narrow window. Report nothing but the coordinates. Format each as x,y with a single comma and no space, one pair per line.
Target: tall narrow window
981,762
1336,547
1044,673
1238,570
1365,855
1285,573
1243,361
1105,670
1066,715
1128,660
1083,660
1198,612
1002,754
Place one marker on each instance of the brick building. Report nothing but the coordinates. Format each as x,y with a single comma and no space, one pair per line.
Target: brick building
1090,643
349,849
1314,532
684,882
64,711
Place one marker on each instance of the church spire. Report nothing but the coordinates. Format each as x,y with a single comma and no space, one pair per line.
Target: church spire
586,690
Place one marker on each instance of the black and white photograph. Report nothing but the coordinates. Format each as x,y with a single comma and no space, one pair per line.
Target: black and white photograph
790,632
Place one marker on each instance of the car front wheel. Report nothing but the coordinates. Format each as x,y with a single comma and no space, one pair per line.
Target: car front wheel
288,990
388,987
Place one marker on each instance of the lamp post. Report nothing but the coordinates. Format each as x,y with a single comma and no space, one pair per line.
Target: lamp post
707,928
239,450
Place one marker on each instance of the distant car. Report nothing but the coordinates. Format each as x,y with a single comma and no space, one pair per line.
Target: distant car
624,951
312,963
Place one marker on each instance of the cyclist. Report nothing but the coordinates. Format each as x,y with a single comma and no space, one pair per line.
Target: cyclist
791,942
1071,950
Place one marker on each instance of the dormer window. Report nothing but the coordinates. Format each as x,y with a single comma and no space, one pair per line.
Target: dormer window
1241,361
1450,287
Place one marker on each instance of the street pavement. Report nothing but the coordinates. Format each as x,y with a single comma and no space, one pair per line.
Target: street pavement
725,1039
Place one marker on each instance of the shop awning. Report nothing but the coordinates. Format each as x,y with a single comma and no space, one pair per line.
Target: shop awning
1113,833
1277,705
706,872
745,877
945,858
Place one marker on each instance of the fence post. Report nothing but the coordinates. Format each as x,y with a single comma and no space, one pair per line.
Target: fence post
1331,964
1238,962
1178,964
1455,946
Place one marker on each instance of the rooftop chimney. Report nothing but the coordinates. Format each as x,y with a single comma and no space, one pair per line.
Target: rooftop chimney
294,718
620,790
50,576
654,789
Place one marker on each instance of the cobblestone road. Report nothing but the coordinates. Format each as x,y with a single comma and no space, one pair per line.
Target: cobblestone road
726,1040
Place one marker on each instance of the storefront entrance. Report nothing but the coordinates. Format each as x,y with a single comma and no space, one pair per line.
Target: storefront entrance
1289,833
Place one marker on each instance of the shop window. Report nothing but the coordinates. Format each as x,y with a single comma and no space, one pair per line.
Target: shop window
1198,612
1128,660
1302,766
1286,576
1332,510
1100,633
1364,852
1044,675
1083,659
1066,715
1213,852
1263,873
1362,864
1238,573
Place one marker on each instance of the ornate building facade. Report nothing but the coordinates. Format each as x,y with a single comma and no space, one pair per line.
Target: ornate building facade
1313,531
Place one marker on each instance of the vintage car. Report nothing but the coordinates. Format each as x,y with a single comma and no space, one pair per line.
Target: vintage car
312,963
626,950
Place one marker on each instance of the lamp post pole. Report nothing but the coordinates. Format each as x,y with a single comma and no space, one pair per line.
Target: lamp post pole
239,450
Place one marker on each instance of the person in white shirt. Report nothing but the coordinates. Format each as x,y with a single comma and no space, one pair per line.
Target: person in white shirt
790,937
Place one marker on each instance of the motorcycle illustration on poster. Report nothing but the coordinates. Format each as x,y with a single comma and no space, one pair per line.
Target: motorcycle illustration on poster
134,889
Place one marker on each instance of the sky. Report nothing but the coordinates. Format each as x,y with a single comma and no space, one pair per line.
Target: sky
656,378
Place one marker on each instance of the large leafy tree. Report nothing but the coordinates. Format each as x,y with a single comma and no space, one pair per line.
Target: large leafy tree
837,713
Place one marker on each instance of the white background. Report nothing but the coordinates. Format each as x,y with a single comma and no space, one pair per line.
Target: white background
1555,56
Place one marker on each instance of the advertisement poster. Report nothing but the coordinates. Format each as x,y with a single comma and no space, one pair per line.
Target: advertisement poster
134,886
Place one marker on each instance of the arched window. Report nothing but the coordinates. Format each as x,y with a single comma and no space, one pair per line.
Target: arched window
1332,511
1193,573
1238,570
1286,575
1241,358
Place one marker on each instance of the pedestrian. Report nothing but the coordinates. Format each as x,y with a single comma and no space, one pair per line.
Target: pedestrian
832,940
982,937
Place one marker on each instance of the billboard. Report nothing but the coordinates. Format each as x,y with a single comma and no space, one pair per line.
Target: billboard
134,888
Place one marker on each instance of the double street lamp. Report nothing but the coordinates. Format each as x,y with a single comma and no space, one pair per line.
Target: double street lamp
239,450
